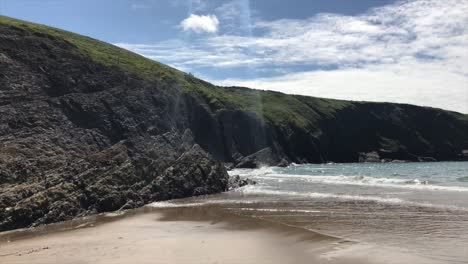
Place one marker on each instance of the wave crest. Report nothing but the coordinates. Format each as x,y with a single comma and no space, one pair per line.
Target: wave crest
365,181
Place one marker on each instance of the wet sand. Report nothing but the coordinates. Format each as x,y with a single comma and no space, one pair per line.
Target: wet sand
177,235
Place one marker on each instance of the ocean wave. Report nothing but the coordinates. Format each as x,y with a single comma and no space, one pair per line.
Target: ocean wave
254,190
252,172
177,204
276,210
174,205
463,179
366,181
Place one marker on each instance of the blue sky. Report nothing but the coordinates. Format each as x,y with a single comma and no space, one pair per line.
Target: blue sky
412,51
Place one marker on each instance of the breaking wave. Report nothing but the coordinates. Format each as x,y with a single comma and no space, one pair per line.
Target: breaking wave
255,190
364,181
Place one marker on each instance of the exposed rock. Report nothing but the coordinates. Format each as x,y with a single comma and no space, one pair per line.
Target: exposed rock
264,157
236,182
426,159
78,137
369,157
126,175
283,163
399,161
229,166
464,155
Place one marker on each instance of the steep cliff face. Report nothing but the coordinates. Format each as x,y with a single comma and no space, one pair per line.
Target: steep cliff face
78,137
305,129
87,127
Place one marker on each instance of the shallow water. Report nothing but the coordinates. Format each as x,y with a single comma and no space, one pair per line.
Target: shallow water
418,208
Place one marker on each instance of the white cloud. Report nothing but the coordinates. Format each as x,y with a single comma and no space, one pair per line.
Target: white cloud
235,16
410,52
200,24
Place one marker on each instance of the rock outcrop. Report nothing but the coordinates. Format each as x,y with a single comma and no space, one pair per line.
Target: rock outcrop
78,137
369,157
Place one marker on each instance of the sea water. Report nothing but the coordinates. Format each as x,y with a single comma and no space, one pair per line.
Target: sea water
418,208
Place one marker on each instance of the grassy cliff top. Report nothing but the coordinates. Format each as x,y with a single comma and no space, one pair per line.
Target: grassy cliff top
275,107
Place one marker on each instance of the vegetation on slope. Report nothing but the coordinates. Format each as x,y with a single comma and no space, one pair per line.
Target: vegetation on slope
276,107
101,52
283,112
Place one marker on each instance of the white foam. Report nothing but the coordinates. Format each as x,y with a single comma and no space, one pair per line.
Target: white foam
255,190
114,214
258,190
252,172
380,254
276,210
169,204
416,184
174,204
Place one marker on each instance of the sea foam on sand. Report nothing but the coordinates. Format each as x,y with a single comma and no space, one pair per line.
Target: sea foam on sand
184,235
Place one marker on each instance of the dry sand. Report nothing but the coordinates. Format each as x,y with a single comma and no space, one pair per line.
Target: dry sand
172,236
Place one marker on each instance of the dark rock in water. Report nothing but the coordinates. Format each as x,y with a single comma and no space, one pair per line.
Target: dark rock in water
250,163
283,163
426,159
263,157
237,182
399,161
369,157
463,155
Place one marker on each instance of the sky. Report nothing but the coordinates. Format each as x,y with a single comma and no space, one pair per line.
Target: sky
411,51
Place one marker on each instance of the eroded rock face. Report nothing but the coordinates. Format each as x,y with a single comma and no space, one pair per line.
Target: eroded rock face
77,137
128,174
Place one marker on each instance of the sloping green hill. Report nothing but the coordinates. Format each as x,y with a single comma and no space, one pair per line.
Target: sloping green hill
274,106
279,112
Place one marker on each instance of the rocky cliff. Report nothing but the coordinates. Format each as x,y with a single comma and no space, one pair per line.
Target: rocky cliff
87,127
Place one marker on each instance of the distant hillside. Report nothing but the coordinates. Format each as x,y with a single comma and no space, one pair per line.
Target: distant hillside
88,127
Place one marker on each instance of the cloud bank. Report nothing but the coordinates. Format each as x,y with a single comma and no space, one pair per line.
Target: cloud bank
408,52
200,24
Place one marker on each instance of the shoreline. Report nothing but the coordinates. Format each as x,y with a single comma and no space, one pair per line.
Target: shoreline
173,235
203,234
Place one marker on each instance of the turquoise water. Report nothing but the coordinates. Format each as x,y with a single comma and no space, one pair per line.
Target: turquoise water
418,208
439,185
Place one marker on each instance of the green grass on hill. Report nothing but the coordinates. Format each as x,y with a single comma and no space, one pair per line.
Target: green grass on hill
101,52
278,108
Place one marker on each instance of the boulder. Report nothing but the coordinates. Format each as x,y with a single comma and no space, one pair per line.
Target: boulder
263,157
426,159
236,182
369,156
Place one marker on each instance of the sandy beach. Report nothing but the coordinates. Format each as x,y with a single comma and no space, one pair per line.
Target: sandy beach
177,235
